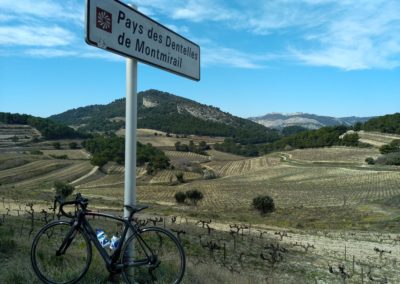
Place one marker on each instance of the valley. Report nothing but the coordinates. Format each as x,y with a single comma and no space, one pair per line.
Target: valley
332,208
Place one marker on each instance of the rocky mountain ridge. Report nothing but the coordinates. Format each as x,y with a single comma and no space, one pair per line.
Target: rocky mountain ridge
306,120
169,113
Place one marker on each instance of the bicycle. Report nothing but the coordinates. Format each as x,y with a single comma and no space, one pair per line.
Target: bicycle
62,250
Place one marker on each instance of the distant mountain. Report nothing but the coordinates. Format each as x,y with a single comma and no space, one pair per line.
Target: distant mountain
166,112
310,121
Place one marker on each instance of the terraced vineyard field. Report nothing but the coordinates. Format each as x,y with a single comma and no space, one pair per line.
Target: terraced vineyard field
31,170
377,139
67,172
72,154
222,156
330,207
179,157
334,154
168,177
11,134
243,166
162,140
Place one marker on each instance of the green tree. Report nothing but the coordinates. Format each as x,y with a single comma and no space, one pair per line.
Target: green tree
358,126
370,160
350,139
73,145
393,159
57,145
99,160
180,197
179,177
177,145
194,196
392,147
264,204
63,189
192,147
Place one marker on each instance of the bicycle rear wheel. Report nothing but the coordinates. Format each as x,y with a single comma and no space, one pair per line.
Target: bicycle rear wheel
67,268
160,253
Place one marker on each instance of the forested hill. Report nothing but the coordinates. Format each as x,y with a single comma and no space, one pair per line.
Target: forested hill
49,129
388,124
169,113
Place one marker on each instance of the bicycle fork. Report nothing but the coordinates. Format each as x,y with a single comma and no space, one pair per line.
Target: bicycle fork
68,239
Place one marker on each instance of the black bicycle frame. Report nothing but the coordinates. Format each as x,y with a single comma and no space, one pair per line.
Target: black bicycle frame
80,221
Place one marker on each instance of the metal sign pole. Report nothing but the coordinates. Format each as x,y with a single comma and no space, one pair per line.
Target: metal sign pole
130,134
130,145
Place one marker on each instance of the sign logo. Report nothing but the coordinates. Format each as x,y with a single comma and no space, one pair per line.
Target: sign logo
103,20
116,27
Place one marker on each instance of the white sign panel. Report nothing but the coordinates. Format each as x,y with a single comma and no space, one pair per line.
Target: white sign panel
114,26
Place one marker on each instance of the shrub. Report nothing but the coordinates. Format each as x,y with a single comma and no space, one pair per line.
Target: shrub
389,159
194,195
179,177
36,152
264,204
393,159
99,160
73,145
180,197
64,189
394,146
57,145
60,157
350,139
209,174
370,161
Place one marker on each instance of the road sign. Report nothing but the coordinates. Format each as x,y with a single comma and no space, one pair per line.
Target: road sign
116,27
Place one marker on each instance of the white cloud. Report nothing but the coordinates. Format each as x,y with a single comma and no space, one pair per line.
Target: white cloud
179,30
345,34
223,56
201,10
50,52
46,9
35,36
362,36
349,35
191,10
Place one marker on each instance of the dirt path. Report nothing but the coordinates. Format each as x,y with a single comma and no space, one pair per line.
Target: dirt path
92,172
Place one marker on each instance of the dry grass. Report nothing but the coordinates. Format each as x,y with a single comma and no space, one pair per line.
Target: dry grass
321,195
78,154
177,157
334,154
377,139
243,166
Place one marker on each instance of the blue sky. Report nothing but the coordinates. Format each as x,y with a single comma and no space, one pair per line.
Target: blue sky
338,58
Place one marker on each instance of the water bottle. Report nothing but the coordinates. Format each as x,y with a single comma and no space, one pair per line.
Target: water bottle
114,243
102,237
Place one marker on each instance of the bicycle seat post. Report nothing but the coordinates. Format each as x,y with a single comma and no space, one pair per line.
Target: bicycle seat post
134,209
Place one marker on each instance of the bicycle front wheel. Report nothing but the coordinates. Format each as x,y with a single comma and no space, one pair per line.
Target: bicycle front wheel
70,266
154,255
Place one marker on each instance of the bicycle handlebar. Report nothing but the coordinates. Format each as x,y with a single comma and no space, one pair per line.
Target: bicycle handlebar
79,200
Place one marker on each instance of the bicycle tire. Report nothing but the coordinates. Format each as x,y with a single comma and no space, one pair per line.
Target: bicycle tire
64,269
167,249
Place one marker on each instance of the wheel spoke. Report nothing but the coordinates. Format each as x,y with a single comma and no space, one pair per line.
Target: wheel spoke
68,267
167,265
